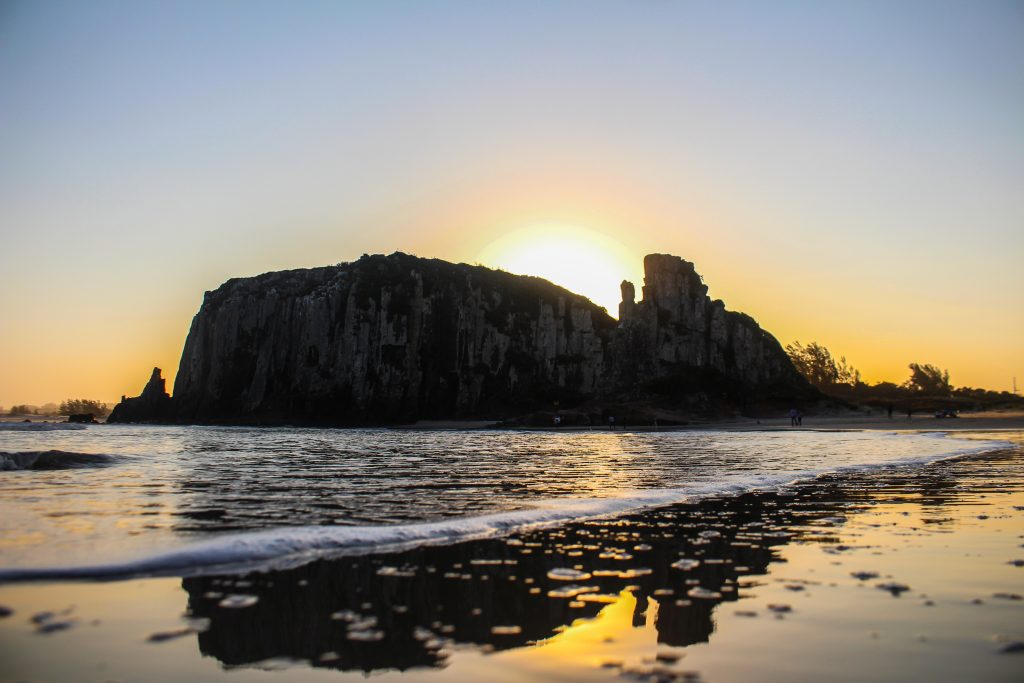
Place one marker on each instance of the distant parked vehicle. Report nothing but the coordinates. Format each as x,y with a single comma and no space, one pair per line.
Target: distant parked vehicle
946,412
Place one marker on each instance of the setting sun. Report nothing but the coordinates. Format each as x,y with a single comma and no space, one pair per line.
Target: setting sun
579,259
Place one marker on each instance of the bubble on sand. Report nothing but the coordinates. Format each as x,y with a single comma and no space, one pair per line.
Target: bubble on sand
703,593
164,636
397,572
615,555
344,615
776,534
1007,596
572,591
1016,563
685,564
5,611
54,626
238,601
567,574
893,587
635,572
506,630
368,636
1014,647
864,576
780,608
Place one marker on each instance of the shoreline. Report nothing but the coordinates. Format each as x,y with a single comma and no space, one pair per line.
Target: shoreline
880,575
982,421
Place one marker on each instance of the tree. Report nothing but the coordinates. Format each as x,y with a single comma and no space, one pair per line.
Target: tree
816,363
80,406
928,379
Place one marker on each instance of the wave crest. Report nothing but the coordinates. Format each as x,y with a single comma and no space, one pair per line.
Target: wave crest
52,460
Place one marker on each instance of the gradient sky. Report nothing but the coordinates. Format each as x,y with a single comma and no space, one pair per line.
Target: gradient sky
851,173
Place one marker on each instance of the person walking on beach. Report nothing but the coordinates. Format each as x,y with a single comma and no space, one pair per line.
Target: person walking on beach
792,417
890,411
799,418
910,411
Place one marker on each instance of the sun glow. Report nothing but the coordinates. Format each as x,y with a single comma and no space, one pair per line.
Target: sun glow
581,260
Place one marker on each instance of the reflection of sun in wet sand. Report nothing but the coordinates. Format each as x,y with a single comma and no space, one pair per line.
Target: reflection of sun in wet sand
607,638
610,639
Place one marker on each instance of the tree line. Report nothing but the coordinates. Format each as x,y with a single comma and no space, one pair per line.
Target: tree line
72,406
839,378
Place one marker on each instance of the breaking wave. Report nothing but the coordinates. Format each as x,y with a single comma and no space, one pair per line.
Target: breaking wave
289,546
52,460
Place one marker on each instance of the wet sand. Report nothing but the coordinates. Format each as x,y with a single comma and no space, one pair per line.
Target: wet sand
906,573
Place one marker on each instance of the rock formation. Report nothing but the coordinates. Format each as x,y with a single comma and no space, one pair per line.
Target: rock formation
153,405
391,339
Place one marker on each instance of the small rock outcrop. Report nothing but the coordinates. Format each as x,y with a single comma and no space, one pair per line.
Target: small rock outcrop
392,339
153,405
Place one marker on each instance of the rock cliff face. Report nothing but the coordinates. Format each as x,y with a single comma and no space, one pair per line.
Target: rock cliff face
390,339
678,340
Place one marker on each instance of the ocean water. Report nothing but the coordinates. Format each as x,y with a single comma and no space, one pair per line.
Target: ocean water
112,501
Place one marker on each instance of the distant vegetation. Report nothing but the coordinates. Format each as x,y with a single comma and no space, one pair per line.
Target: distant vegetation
72,406
80,406
816,364
927,388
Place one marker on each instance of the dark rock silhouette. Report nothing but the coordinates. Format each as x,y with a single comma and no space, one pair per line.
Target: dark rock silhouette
393,339
153,405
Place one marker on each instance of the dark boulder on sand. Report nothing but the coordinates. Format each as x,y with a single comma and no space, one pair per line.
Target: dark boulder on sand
395,339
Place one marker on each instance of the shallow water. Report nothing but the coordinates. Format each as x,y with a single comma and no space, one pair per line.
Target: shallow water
881,574
149,490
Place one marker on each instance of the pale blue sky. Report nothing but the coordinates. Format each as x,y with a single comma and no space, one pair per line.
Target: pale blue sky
847,172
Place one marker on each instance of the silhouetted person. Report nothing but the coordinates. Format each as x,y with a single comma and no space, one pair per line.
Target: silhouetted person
890,411
792,417
799,419
909,412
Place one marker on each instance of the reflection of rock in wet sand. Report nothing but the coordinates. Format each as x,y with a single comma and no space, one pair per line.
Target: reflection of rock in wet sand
399,610
403,610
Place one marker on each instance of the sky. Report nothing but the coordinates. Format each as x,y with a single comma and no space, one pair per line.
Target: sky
846,173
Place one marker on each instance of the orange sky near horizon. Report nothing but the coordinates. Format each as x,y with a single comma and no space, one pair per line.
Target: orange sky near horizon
846,174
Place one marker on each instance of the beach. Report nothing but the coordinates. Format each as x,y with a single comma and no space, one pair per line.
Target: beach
865,575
